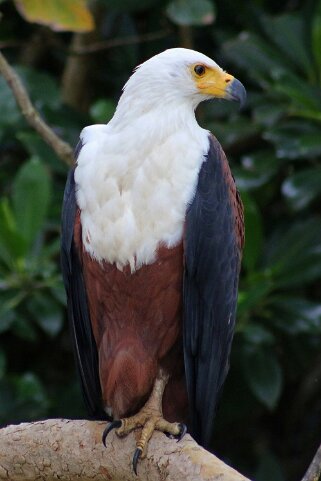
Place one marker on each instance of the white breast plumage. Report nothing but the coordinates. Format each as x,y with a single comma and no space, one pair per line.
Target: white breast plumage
133,188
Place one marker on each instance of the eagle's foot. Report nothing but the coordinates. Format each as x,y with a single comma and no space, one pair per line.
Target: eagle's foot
150,419
175,430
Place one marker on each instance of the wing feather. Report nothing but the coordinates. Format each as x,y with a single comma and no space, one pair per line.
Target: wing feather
78,313
212,249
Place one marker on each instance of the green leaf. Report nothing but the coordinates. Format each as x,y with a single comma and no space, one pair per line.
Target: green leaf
316,37
269,468
7,318
268,114
257,335
9,299
257,169
191,12
22,397
297,315
237,129
23,328
3,362
42,87
128,5
253,232
59,293
257,57
37,147
306,114
303,187
293,253
296,140
66,122
30,395
31,195
10,114
287,33
59,15
43,90
300,93
12,245
257,290
47,313
102,110
264,376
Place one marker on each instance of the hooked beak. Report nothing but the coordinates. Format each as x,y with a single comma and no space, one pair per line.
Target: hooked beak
236,91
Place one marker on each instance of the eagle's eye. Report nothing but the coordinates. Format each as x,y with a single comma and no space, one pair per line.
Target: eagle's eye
199,70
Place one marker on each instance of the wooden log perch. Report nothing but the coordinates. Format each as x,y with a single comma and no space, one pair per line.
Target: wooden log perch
314,470
73,450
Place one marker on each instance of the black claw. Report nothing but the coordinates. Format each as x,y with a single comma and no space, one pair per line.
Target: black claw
108,428
180,435
137,455
183,431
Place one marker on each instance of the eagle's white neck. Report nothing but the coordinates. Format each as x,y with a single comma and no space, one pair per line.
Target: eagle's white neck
154,117
135,178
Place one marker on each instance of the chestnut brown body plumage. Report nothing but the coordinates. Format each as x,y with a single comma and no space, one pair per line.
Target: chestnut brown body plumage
137,324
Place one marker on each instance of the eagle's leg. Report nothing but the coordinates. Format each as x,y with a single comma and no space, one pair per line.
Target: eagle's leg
150,419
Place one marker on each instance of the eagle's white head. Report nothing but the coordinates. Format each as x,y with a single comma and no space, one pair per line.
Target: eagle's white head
178,77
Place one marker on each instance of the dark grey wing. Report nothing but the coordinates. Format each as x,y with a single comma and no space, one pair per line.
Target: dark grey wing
79,320
212,250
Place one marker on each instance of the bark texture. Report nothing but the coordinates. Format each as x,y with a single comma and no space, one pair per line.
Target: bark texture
314,471
72,450
75,78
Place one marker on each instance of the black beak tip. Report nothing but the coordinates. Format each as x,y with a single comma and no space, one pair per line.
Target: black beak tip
237,92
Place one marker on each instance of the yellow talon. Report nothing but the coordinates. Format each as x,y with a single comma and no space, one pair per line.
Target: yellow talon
150,419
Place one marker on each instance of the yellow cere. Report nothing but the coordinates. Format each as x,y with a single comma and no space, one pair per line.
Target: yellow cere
211,80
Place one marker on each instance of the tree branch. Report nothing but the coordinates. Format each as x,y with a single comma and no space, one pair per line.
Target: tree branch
314,470
62,149
76,74
70,450
118,42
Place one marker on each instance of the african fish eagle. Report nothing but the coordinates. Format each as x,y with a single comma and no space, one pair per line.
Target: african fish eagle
152,235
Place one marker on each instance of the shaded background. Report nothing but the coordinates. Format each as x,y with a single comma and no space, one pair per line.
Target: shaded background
268,424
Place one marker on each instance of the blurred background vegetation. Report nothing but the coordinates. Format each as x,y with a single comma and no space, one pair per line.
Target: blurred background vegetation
269,422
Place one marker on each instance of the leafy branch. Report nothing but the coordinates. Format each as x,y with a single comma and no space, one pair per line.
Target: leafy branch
61,148
118,42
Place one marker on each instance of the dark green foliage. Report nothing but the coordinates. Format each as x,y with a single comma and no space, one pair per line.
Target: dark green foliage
269,423
191,12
